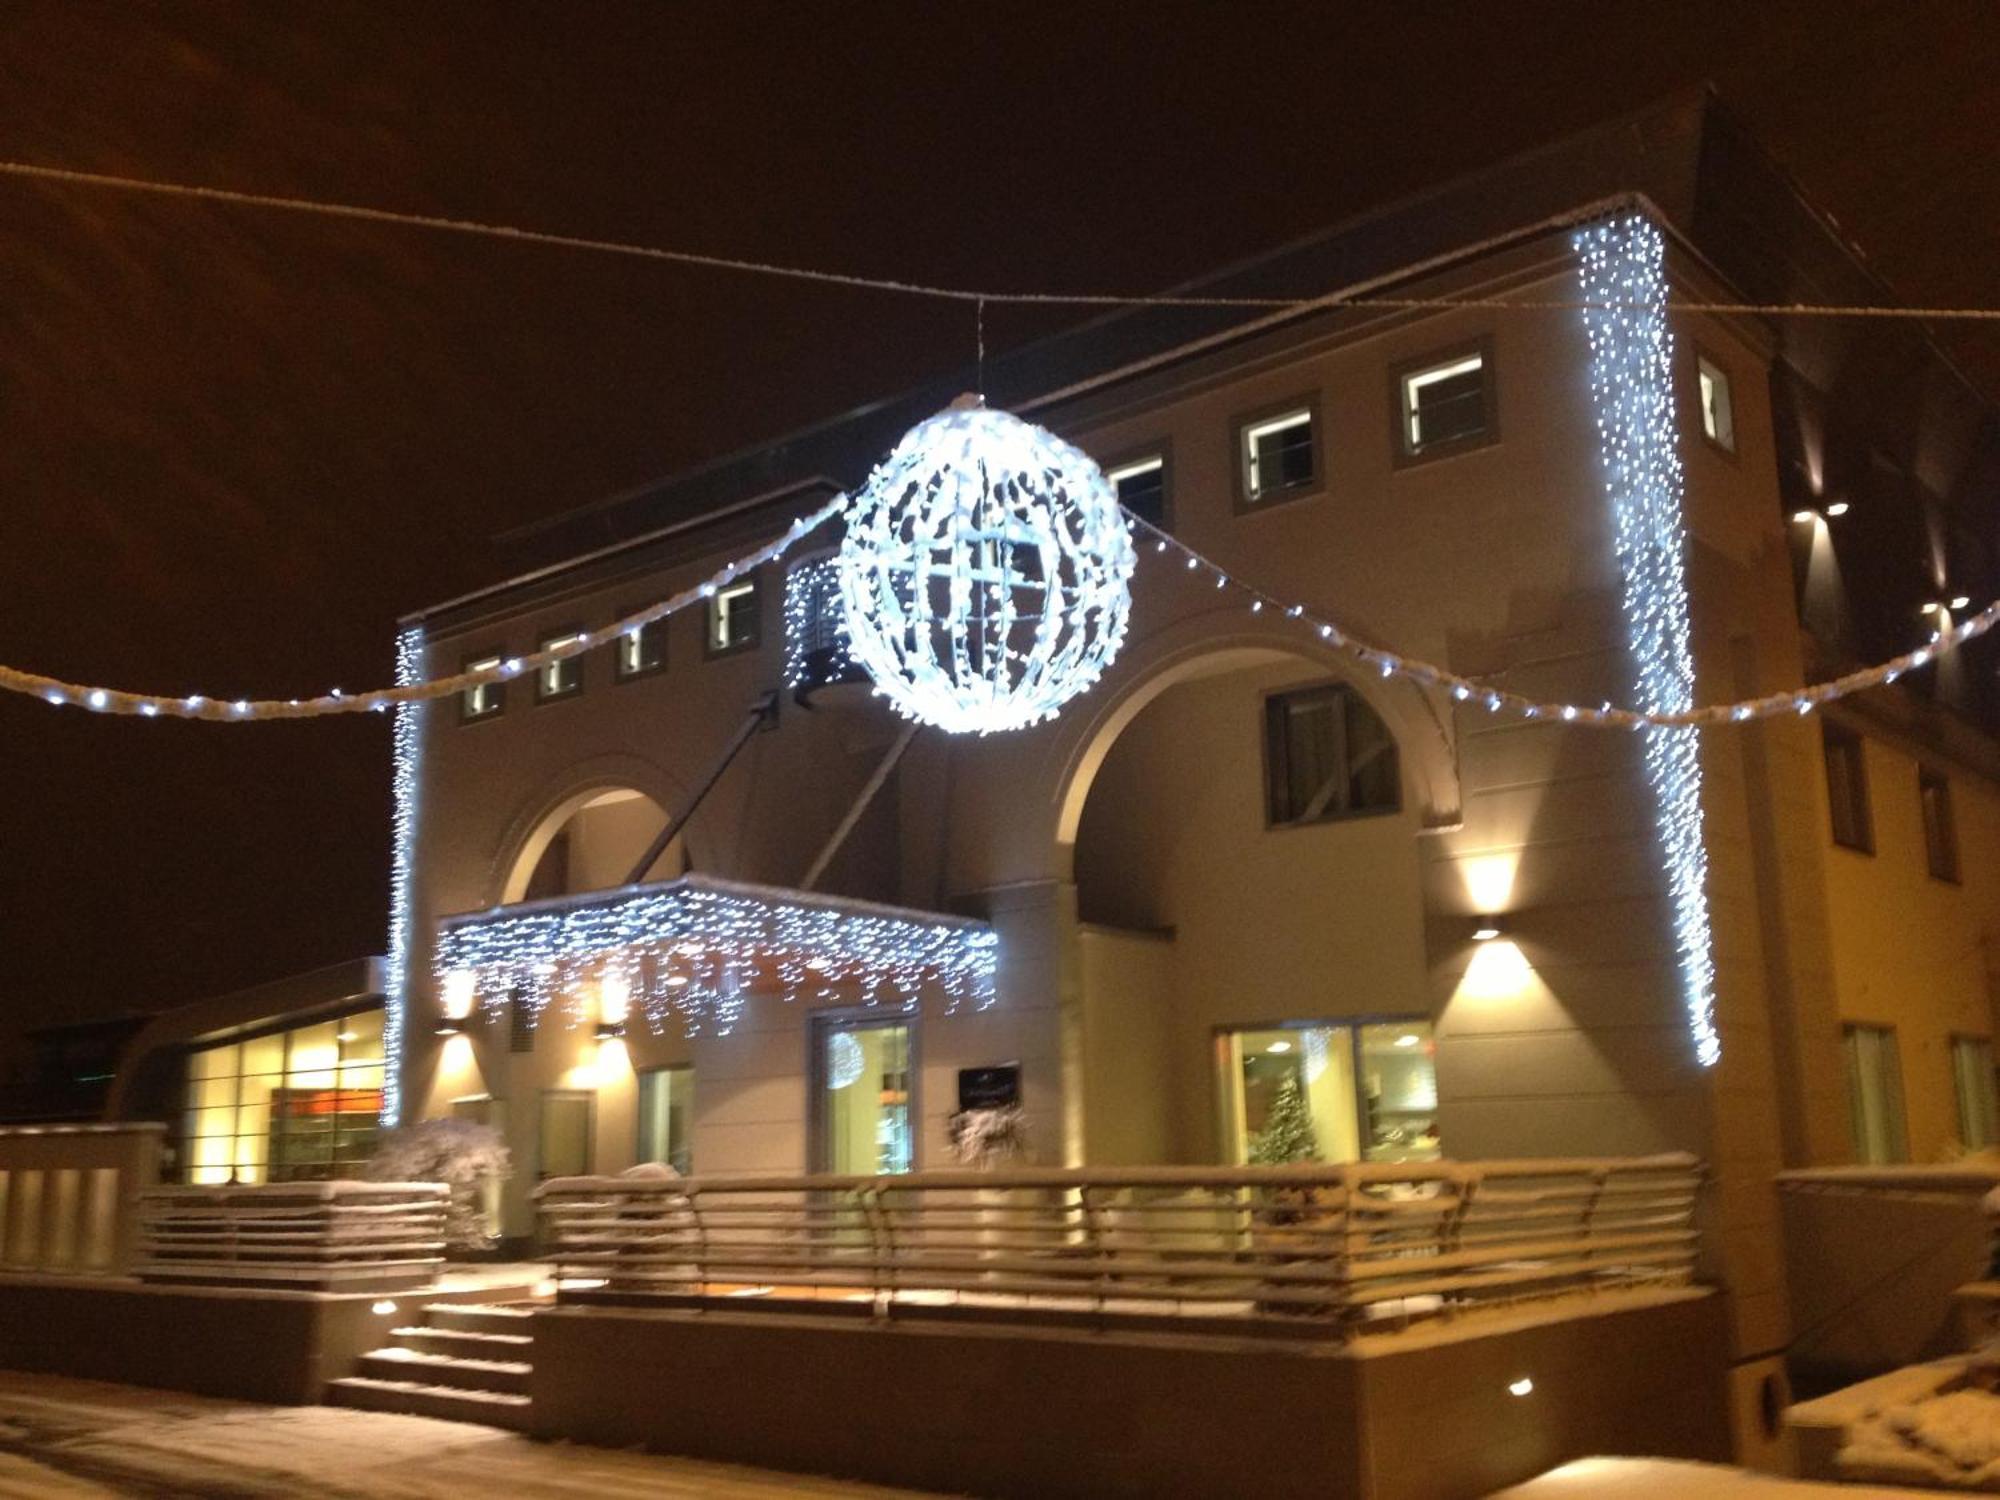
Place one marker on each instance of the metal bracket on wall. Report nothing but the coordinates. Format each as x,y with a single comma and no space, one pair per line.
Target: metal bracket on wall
763,715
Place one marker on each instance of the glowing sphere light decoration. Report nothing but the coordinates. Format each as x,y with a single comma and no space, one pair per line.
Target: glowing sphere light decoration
986,572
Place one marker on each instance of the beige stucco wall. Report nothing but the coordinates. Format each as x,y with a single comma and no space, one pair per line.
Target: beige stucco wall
1909,950
1323,922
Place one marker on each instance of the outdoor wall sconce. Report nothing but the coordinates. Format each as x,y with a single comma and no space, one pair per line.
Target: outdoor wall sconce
608,1031
1486,929
450,1028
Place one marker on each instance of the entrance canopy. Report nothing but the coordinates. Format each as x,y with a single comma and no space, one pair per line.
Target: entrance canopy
697,947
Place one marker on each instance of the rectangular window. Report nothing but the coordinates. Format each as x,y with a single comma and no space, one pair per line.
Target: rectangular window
666,1117
733,618
563,677
1278,455
485,699
1718,420
1313,1091
1972,1080
1940,833
1327,755
1141,487
862,1076
1875,1095
563,1134
639,651
1847,789
1445,405
288,1105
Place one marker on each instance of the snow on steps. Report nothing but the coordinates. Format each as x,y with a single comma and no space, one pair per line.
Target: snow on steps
464,1362
415,1399
507,1376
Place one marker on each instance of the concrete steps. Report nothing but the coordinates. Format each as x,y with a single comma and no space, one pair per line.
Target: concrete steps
415,1399
465,1362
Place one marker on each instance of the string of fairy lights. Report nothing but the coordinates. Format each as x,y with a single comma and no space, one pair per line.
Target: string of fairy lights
1387,662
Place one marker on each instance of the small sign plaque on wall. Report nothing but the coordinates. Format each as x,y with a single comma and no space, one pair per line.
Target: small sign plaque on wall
989,1088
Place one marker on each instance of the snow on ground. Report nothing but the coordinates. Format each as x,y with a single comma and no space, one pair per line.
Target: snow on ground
1675,1479
1952,1438
84,1440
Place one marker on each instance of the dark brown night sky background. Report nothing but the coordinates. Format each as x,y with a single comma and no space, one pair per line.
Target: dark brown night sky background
236,444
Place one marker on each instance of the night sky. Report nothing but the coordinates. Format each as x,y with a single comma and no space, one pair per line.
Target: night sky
236,444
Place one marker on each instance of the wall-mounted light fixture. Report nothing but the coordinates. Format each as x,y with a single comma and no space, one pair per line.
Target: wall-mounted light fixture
610,1030
1522,1387
1486,929
1836,510
450,1027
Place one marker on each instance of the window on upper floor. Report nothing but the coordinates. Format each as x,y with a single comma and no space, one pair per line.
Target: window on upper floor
1875,1095
733,617
1327,755
1940,833
1973,1083
1277,454
1141,487
1847,788
482,700
1445,404
562,677
639,651
1718,418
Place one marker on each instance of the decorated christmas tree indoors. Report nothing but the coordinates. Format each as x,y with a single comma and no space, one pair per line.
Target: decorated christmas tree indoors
1287,1135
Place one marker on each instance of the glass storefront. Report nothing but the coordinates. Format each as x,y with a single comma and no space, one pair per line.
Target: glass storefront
283,1106
862,1077
1304,1091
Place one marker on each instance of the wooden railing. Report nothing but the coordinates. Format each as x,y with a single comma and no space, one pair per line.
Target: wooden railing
69,1194
1330,1249
324,1236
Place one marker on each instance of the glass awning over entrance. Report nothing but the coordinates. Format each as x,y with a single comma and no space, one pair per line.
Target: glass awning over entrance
693,950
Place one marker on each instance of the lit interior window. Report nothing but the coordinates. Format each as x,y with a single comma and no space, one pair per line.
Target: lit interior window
732,617
1308,1091
285,1106
564,675
1444,404
1141,488
1718,421
642,650
483,699
1278,454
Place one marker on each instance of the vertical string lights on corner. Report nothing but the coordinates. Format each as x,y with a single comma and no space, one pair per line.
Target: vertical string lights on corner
407,748
1623,270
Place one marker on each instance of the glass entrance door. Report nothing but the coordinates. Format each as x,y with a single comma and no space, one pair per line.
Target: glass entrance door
862,1087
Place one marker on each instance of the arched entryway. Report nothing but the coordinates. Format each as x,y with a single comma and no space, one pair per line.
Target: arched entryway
1249,889
591,841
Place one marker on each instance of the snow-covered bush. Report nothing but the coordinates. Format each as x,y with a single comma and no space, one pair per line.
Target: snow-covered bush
461,1154
990,1136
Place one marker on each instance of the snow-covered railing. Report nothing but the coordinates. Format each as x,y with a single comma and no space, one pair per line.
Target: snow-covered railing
325,1236
1335,1248
69,1194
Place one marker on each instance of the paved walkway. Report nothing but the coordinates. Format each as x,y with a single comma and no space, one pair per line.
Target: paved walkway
84,1440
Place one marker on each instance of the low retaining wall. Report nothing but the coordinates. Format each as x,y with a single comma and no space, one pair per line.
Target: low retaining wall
1874,1259
258,1345
1026,1411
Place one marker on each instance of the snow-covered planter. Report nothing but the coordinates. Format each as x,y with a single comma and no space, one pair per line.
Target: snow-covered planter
461,1154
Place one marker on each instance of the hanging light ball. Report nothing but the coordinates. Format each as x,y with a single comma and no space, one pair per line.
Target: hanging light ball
986,572
845,1061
